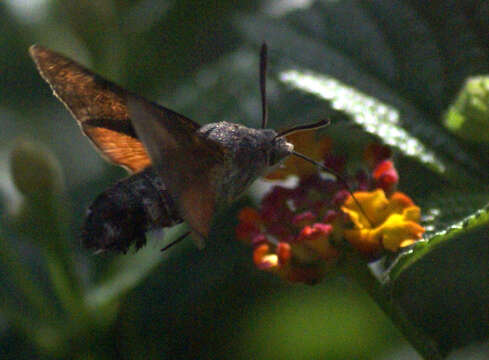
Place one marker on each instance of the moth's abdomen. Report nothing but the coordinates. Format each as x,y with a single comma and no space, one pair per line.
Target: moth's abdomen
122,214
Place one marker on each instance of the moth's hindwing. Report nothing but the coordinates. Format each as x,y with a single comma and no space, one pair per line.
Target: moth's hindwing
188,163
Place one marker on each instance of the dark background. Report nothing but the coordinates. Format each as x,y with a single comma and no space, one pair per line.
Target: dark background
201,59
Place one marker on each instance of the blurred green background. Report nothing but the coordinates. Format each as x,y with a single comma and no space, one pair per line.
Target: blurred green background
201,59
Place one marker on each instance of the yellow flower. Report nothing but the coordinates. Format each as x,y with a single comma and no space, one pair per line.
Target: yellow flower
308,144
382,223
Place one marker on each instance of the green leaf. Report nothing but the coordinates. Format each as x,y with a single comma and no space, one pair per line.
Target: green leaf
410,56
406,126
306,323
302,60
442,209
468,117
461,232
126,272
442,283
374,116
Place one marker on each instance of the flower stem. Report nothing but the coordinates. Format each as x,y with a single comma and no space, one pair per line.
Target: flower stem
359,271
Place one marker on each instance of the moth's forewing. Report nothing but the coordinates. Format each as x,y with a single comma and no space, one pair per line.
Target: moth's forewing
98,105
187,163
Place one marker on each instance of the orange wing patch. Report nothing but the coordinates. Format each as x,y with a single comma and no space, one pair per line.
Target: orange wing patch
119,148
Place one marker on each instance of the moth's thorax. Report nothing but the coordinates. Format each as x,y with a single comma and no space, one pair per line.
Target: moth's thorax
249,154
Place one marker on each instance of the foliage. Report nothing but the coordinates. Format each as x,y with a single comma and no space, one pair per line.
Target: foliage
393,71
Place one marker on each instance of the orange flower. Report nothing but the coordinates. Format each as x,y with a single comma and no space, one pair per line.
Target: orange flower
279,261
265,259
382,223
300,233
308,144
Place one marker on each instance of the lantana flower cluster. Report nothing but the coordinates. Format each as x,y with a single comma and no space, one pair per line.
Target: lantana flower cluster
301,232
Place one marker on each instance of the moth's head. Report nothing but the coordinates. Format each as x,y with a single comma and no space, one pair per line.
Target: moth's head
278,146
279,149
257,149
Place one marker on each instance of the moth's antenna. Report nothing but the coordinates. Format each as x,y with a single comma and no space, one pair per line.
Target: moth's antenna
263,85
174,242
294,129
338,176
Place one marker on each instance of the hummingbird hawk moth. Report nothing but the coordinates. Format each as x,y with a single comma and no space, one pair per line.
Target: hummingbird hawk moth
180,171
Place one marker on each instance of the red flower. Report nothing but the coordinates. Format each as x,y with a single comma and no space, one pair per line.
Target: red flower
385,176
299,233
